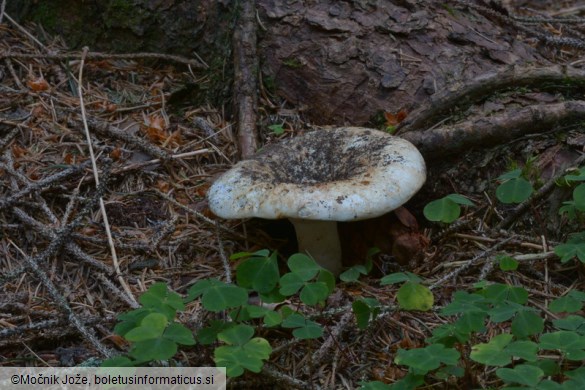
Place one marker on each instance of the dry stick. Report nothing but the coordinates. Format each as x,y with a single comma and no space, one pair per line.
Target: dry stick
107,56
485,84
139,165
198,214
246,78
50,233
97,182
43,183
495,129
282,378
469,263
57,297
333,335
8,137
543,191
224,259
116,133
98,56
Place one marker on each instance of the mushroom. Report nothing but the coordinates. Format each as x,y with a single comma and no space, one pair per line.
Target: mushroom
317,179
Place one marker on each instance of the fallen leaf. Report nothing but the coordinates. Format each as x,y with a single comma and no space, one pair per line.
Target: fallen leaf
39,84
394,119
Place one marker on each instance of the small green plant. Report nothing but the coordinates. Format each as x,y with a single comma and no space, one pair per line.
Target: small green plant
447,209
523,341
514,187
575,206
277,129
412,295
154,334
152,330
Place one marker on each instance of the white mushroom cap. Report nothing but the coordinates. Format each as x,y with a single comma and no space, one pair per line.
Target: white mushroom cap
343,174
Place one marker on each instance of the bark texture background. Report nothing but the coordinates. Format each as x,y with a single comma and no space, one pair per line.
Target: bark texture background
341,62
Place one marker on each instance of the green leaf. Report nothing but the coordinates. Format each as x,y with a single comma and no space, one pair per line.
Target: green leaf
527,323
241,255
504,311
499,292
353,274
237,335
374,385
314,293
303,266
570,250
277,129
258,273
131,320
492,353
414,296
305,329
290,283
523,349
154,349
577,377
426,359
409,382
272,318
507,263
471,322
158,295
460,199
442,210
569,343
579,176
365,309
179,334
448,335
328,278
400,277
208,335
237,358
572,322
218,296
516,173
151,327
523,374
579,197
514,190
566,304
464,302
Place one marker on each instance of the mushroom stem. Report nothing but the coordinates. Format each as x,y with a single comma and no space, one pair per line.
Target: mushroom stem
320,240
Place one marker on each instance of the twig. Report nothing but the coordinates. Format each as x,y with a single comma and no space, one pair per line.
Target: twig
97,182
224,259
70,247
466,265
198,214
58,298
333,336
43,183
286,380
246,78
116,133
8,137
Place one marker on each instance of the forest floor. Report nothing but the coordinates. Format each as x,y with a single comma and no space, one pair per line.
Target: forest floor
63,281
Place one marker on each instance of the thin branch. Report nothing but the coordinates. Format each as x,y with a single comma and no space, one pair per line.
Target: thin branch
97,182
246,78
